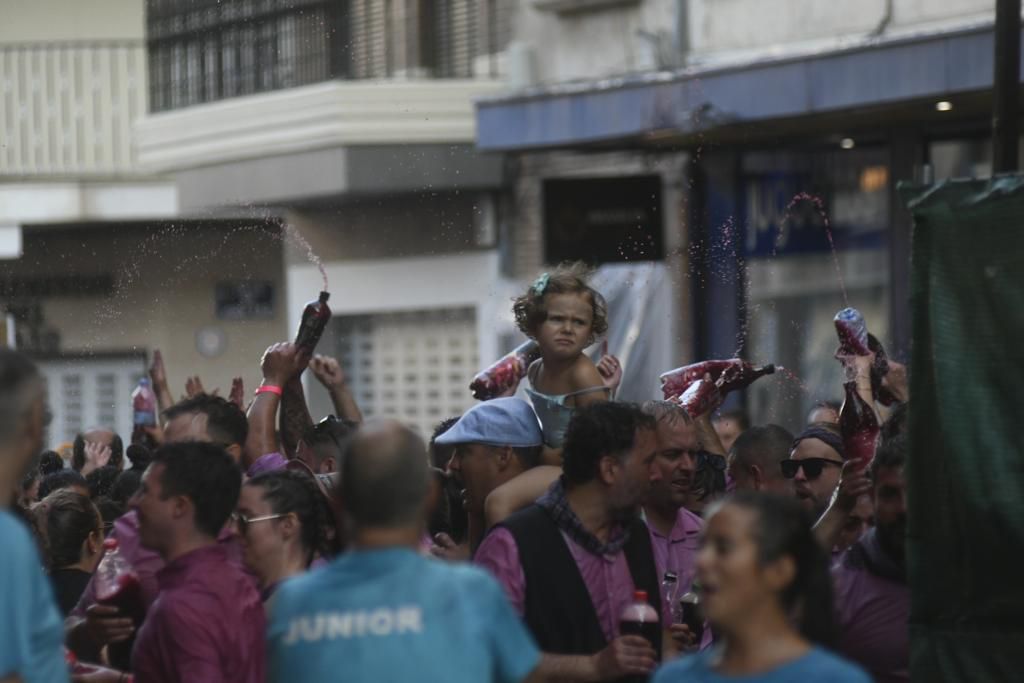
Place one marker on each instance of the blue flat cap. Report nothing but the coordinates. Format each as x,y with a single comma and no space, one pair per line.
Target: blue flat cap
501,422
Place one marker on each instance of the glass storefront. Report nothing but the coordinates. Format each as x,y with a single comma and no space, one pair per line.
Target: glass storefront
791,200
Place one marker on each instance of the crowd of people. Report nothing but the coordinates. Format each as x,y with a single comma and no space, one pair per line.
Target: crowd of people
239,540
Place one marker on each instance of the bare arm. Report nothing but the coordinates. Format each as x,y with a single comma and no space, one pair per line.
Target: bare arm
328,372
707,436
518,492
158,376
262,438
584,376
853,483
624,656
295,418
280,363
897,381
564,668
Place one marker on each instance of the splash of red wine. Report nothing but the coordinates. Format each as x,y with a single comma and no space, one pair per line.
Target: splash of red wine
819,206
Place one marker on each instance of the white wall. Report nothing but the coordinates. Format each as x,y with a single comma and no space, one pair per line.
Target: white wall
593,43
34,21
608,42
718,26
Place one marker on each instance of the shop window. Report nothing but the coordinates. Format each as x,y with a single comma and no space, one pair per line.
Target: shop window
603,220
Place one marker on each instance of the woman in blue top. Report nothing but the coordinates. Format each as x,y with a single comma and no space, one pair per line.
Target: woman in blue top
767,592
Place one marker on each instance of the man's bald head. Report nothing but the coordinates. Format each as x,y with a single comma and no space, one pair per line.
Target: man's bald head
384,480
755,457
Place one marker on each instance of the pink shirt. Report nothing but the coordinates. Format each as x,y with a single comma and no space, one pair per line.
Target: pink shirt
146,562
606,577
206,626
677,552
873,615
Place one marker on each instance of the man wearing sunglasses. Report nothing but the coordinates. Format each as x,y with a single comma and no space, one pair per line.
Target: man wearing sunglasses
815,463
754,460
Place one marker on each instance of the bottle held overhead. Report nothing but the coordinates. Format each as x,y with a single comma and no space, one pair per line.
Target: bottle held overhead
315,317
505,373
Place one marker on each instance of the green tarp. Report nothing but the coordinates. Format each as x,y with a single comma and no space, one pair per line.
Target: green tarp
966,466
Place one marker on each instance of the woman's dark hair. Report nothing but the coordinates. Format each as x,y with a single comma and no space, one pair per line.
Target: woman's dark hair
288,491
125,486
109,509
140,457
783,528
531,309
440,516
441,454
60,480
101,481
69,519
50,462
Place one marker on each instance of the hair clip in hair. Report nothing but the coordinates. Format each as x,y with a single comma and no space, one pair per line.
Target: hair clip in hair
540,284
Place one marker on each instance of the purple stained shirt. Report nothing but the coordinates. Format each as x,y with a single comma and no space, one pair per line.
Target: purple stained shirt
206,626
269,462
606,577
147,563
873,615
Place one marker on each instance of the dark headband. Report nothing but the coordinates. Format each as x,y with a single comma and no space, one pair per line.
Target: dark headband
821,434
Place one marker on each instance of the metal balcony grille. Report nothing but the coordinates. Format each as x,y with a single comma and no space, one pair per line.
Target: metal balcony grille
205,50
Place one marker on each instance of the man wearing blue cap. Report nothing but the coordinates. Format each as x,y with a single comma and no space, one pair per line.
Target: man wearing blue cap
494,442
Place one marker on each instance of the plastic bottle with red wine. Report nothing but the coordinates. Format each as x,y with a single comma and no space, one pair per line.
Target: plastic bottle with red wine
143,413
118,585
728,375
315,317
503,374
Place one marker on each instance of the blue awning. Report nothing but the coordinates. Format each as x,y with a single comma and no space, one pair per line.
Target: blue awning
691,101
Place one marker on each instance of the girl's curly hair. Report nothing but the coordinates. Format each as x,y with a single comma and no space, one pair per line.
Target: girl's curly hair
531,310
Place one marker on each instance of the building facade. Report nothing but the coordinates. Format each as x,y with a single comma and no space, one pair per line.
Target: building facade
351,124
780,130
98,267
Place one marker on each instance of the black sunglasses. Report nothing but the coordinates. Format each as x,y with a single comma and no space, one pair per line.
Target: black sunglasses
812,467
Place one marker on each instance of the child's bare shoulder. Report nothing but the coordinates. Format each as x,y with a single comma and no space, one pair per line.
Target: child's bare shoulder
584,374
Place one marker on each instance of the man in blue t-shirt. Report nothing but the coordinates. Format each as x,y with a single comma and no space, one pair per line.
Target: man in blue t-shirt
31,630
381,612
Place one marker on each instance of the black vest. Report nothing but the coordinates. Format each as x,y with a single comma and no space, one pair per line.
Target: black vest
558,609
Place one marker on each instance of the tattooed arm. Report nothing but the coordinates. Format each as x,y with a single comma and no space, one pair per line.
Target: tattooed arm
295,418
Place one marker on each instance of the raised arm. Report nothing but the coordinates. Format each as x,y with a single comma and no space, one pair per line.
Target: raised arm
295,418
329,373
518,492
158,376
280,363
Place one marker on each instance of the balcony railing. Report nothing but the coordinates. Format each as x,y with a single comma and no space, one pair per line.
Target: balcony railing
208,50
66,109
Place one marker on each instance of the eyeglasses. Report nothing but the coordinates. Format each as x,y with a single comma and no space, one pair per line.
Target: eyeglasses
243,522
812,467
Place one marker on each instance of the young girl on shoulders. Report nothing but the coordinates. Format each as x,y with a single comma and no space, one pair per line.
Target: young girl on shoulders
565,316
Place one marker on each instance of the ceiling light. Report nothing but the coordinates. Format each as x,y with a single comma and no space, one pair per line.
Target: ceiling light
943,105
847,143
